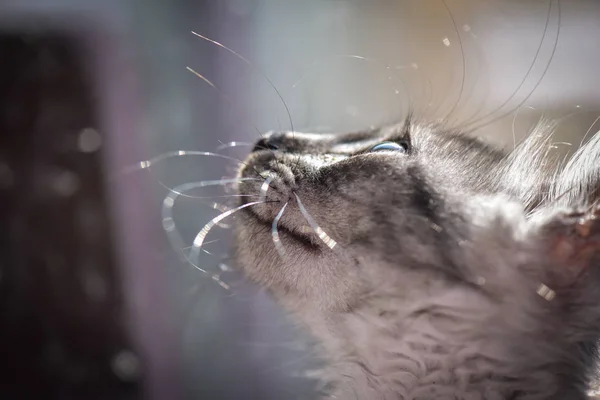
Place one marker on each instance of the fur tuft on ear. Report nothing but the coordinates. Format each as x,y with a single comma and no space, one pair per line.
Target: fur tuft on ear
578,183
527,171
532,173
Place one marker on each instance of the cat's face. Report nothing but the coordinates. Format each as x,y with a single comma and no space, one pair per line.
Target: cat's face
413,243
394,203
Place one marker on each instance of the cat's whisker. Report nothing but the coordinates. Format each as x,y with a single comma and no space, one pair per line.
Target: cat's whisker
199,239
229,145
247,62
226,196
469,126
231,104
329,242
181,189
265,187
275,233
146,164
168,222
474,119
204,250
214,205
196,247
205,79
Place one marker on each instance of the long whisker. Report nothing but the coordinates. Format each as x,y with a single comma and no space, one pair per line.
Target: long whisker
245,60
229,145
474,120
260,135
177,241
265,187
315,227
275,233
226,196
168,223
177,153
537,83
204,250
253,68
179,190
185,187
261,73
199,239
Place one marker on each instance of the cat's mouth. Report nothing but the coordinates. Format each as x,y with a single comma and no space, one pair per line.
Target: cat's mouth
273,196
274,205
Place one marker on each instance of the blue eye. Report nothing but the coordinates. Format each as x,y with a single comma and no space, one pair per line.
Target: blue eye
389,146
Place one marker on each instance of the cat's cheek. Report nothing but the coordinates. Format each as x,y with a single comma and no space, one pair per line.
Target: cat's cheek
302,276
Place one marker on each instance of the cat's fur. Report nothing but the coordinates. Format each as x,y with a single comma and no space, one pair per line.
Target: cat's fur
432,289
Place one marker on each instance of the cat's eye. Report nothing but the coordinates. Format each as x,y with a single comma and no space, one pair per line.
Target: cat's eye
390,146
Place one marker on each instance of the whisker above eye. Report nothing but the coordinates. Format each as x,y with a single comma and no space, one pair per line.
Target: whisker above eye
315,227
275,233
474,118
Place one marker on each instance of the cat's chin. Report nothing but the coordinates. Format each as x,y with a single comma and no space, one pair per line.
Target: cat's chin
254,217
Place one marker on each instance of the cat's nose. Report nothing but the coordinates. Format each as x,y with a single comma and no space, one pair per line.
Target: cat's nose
270,141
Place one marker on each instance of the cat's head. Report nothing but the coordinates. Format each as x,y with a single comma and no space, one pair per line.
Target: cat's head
406,211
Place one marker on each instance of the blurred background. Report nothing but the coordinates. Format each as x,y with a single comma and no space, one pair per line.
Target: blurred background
96,300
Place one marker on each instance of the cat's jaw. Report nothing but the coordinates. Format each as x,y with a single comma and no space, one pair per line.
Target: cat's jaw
307,276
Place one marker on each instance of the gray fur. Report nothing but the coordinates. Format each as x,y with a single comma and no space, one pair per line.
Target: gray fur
431,291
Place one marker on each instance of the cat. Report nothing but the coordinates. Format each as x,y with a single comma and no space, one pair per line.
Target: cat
436,266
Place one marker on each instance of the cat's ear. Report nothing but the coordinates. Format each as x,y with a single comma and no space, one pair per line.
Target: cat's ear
573,241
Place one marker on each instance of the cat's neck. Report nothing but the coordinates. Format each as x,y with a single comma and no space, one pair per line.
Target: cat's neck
390,353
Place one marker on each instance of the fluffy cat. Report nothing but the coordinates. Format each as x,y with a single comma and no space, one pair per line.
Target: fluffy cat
437,267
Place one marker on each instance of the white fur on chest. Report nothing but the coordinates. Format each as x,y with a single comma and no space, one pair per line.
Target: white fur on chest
401,354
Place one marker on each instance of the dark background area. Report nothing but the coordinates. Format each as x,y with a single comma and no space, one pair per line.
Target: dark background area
94,301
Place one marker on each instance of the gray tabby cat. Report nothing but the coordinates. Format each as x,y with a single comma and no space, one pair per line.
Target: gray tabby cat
437,267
